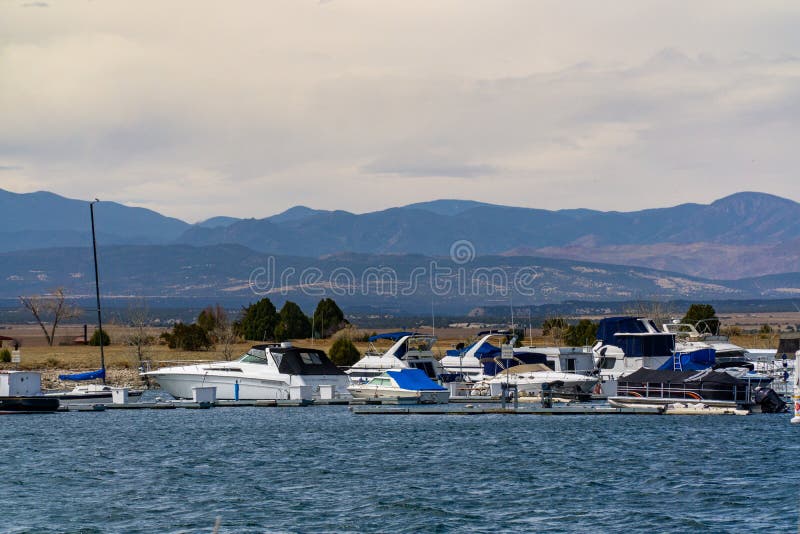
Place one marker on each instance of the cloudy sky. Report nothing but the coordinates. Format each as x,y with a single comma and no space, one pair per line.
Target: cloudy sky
246,108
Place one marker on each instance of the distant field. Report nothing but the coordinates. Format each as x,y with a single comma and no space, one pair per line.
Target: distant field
67,355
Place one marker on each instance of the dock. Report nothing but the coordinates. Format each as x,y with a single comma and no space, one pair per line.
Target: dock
448,409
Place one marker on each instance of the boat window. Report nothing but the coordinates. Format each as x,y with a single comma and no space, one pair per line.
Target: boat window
608,363
310,358
255,356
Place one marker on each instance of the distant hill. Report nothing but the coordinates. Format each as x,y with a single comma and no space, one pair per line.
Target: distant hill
363,281
742,235
42,219
738,226
214,222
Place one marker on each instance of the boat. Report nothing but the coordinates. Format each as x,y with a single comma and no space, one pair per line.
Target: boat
402,384
626,344
530,378
20,392
31,404
709,387
271,371
409,350
91,392
481,359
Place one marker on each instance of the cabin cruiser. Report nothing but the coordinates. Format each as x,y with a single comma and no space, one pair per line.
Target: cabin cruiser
269,371
481,359
626,344
402,384
687,335
529,379
408,350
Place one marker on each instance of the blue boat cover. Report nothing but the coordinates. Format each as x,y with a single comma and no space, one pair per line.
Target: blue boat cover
612,329
414,380
91,375
394,336
487,350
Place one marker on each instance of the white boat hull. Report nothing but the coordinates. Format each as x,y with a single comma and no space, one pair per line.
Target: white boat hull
180,385
422,396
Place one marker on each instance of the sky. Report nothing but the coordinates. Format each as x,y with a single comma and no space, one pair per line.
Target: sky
246,108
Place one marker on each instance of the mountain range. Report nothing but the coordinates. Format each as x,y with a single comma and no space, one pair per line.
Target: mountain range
742,235
411,283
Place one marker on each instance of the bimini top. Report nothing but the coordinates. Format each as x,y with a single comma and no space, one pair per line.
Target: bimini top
393,336
414,379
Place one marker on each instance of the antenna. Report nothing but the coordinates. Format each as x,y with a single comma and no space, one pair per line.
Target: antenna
433,319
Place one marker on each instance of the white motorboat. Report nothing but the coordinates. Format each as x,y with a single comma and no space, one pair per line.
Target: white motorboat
266,372
530,378
476,361
89,393
402,384
409,350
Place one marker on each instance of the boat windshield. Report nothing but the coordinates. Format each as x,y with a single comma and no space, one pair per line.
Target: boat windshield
255,356
380,381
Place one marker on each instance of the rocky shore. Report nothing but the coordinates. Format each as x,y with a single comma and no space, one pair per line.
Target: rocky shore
124,378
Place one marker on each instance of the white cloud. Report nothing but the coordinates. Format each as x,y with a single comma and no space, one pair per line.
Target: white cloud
246,108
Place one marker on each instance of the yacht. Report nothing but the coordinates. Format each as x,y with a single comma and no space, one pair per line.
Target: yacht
409,350
402,384
529,379
269,371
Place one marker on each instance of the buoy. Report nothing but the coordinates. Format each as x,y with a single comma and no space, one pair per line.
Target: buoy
796,393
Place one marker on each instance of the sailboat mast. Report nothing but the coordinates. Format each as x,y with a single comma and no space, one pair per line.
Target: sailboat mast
97,292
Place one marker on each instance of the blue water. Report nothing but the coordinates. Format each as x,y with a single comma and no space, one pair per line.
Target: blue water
325,469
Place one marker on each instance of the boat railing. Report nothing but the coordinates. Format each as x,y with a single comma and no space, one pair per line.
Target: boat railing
149,365
684,392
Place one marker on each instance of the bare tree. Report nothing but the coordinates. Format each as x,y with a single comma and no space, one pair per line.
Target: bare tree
50,307
139,338
223,332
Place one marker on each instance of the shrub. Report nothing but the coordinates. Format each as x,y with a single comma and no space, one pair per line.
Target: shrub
5,356
343,352
95,339
187,337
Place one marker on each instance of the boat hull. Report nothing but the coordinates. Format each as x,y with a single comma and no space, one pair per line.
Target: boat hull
22,405
180,385
422,396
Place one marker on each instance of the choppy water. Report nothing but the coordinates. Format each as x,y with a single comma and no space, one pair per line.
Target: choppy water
324,469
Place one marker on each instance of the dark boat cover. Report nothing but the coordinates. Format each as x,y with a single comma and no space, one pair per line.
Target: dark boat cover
91,375
298,361
655,376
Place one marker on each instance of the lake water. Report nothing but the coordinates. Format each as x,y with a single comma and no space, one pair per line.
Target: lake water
325,469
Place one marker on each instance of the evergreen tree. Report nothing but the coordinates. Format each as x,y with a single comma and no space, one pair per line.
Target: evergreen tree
703,316
343,352
328,318
292,323
258,321
583,333
98,336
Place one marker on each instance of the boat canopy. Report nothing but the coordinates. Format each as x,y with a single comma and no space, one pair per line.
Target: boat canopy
297,361
91,375
393,336
414,379
633,336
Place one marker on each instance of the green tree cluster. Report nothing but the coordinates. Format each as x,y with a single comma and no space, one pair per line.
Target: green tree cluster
261,321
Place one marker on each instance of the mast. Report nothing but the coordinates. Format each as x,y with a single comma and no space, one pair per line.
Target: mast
97,292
